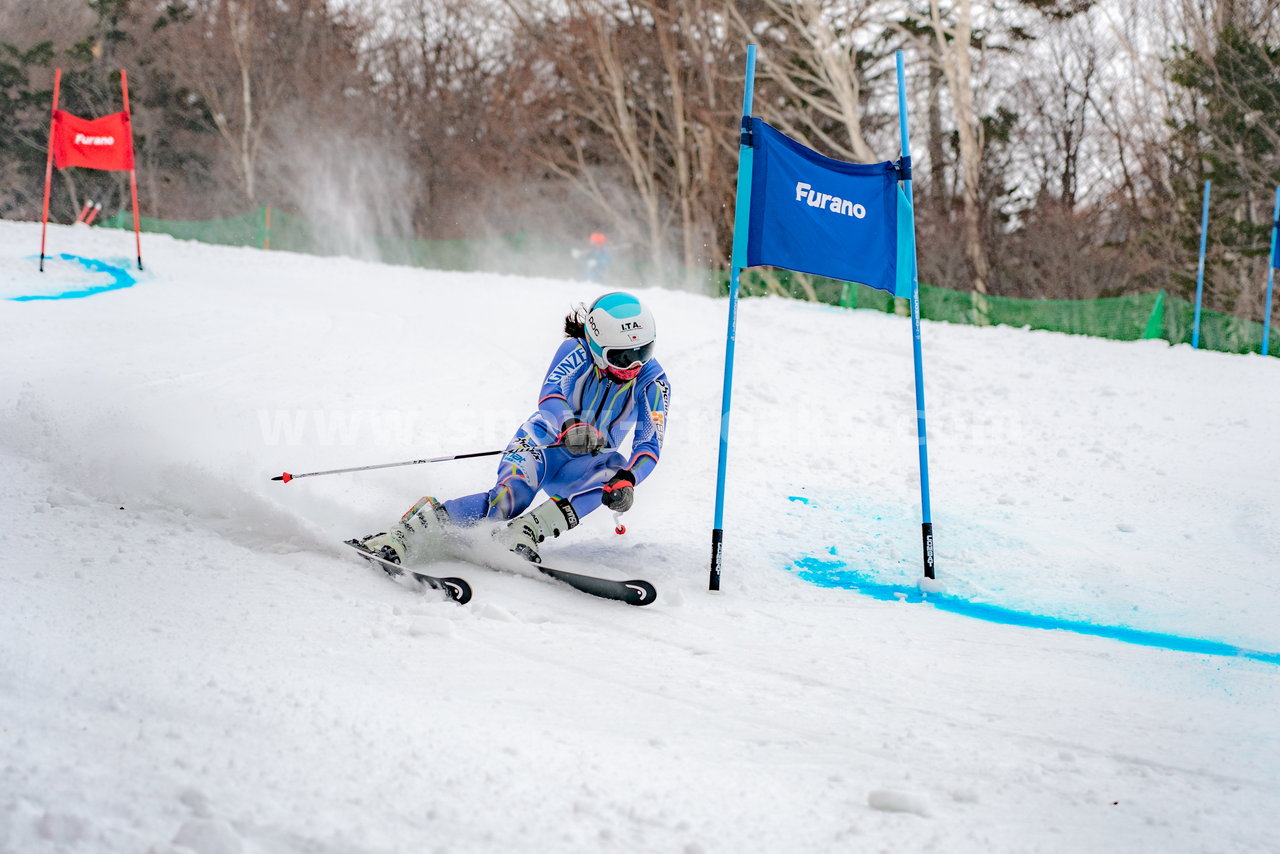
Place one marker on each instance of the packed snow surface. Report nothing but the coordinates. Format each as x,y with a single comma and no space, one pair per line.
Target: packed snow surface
190,661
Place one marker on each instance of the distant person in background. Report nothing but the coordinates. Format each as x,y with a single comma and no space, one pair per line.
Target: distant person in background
596,260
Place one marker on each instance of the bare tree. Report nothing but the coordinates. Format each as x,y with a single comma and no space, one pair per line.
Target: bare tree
953,32
443,75
634,103
244,59
1059,104
814,57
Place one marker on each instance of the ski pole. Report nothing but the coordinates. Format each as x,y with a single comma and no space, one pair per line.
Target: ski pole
286,477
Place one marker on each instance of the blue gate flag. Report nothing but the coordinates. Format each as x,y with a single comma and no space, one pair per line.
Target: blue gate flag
813,214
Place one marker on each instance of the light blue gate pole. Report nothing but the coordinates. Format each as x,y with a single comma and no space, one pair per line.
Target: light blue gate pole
1204,233
926,525
1271,273
741,218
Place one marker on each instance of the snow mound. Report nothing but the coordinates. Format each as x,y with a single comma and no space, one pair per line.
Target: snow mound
192,662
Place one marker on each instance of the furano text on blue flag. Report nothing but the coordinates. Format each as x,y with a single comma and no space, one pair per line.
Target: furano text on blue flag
814,214
835,204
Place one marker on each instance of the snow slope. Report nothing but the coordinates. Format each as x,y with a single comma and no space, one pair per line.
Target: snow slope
189,660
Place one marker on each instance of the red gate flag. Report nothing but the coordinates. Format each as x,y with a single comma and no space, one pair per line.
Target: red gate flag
104,143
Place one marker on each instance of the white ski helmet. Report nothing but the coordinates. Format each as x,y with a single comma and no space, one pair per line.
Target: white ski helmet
620,335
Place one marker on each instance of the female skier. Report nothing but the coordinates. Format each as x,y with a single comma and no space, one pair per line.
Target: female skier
603,382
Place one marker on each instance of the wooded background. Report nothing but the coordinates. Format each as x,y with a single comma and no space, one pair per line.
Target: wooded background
1060,145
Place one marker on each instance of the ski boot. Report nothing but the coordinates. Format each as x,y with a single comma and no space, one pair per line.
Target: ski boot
420,532
524,534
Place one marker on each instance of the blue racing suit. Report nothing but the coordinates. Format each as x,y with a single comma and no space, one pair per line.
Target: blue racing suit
575,388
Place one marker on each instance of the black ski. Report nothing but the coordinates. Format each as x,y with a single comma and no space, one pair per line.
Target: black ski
633,592
457,588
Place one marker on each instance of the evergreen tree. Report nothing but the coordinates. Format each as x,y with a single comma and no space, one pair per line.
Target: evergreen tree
1234,134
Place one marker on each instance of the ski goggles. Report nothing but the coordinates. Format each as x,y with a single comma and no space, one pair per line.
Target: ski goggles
623,358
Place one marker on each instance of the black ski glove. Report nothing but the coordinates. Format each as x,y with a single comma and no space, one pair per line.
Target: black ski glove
579,437
619,492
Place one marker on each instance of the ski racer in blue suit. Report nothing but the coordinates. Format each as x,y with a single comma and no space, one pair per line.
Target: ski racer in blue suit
602,385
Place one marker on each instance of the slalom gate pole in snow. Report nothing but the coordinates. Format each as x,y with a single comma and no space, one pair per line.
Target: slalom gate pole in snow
1271,273
1204,234
741,216
48,165
286,477
133,172
926,524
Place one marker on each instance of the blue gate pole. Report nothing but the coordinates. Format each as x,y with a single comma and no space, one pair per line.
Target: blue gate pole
741,218
1271,274
926,524
1204,233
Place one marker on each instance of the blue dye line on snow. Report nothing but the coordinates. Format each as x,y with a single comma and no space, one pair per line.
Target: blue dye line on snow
836,573
120,278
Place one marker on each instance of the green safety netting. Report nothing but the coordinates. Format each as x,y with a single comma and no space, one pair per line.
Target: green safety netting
244,230
270,228
1124,318
1223,332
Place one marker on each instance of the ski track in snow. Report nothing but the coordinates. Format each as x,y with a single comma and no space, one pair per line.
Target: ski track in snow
190,661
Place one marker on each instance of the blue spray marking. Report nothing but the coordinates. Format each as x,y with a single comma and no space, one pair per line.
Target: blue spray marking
120,278
835,573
